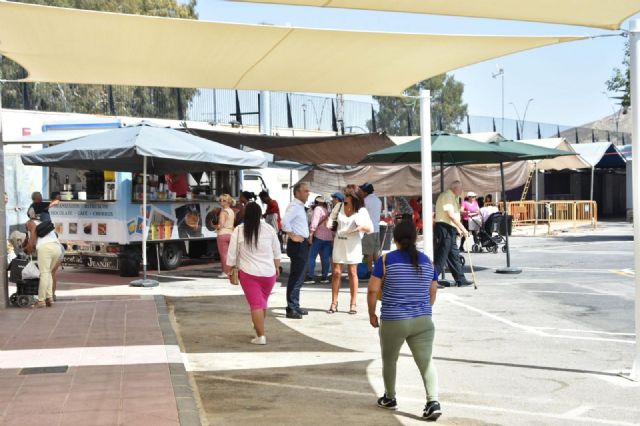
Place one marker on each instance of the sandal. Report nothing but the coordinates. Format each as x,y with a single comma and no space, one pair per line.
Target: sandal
39,304
333,308
353,310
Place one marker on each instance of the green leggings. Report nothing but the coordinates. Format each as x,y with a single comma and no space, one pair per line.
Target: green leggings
418,333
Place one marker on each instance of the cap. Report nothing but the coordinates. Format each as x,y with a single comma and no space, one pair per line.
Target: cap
471,194
367,187
338,195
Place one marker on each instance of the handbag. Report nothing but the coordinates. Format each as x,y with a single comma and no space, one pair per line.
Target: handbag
31,271
44,228
334,224
234,279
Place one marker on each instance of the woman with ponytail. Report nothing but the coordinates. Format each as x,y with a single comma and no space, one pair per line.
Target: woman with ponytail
408,283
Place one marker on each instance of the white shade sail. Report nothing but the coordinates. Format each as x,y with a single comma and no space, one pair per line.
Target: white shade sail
607,14
78,46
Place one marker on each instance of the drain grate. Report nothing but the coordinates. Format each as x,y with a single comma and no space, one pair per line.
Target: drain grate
44,370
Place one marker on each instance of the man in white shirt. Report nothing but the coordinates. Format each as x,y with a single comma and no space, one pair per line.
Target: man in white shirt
371,241
296,227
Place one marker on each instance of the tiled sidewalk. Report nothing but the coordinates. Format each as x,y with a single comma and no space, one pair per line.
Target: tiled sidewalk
119,365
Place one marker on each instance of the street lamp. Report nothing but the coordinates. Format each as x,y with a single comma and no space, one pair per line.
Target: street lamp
304,115
616,114
521,121
500,73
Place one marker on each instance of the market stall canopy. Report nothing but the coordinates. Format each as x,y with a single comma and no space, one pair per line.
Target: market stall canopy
88,47
589,13
405,179
445,148
347,149
601,155
560,163
123,149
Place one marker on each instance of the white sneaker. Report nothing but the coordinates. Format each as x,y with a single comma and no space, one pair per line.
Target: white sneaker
262,340
223,275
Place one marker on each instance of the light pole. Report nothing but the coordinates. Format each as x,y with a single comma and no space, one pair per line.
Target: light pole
304,115
520,122
500,73
616,114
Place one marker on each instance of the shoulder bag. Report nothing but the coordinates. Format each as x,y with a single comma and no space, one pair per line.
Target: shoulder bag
334,224
234,279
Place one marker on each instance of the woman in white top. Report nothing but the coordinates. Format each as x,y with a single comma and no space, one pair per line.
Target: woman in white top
49,251
255,250
225,229
353,222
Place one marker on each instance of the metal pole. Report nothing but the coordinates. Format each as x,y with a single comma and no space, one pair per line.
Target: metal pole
265,110
503,102
535,205
592,177
144,282
634,47
4,294
509,269
427,176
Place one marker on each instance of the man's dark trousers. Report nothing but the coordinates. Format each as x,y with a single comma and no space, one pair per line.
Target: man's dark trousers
447,249
299,255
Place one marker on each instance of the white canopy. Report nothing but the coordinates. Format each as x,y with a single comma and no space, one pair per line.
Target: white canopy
589,13
79,46
558,163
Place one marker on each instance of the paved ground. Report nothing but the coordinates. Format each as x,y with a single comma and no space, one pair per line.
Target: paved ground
541,348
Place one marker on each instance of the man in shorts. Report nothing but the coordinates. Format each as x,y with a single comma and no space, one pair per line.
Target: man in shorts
371,242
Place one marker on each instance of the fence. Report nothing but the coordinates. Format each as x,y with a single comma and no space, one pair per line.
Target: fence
582,212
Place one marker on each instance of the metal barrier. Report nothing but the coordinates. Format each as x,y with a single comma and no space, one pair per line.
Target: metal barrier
545,212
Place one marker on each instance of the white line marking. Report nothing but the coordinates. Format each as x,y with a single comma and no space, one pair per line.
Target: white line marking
576,292
565,416
90,356
529,329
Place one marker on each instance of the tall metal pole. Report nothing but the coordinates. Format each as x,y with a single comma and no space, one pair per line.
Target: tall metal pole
503,101
634,47
4,294
265,112
505,221
144,282
427,176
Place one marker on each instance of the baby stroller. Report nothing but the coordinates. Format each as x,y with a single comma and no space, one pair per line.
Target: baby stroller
25,289
487,234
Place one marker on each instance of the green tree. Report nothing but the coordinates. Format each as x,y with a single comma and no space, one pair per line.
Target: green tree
396,115
100,99
620,81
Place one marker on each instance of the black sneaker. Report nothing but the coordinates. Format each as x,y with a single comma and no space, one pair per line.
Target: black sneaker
432,411
463,283
302,311
309,280
389,404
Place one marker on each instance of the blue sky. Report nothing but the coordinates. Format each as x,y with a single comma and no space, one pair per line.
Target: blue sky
566,81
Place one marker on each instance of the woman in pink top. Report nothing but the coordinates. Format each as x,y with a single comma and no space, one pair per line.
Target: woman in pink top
321,240
469,209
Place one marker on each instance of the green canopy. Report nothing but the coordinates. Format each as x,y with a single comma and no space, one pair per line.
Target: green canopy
451,149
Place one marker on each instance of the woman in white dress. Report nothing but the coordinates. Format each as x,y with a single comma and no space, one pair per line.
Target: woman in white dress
353,222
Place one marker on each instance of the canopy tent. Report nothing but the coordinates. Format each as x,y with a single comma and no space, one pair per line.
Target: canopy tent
483,136
406,179
574,161
79,46
347,149
601,155
130,149
123,149
588,13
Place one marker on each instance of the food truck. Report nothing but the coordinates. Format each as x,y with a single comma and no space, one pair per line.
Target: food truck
100,217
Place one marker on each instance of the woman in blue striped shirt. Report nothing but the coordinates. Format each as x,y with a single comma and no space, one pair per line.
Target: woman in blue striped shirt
409,283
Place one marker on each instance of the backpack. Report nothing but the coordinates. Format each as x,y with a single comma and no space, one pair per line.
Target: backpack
44,228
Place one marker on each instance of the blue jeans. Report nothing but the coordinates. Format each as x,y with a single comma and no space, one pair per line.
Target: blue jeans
299,255
324,248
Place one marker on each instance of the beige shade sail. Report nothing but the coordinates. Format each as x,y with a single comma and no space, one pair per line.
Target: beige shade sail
405,179
558,163
78,46
608,14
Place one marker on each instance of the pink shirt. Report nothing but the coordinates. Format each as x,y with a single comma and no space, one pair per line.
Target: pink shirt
469,208
319,225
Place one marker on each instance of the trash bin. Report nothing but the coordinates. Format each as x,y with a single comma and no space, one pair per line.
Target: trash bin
506,225
386,236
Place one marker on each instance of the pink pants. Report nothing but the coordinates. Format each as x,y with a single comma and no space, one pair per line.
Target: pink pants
256,289
223,249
